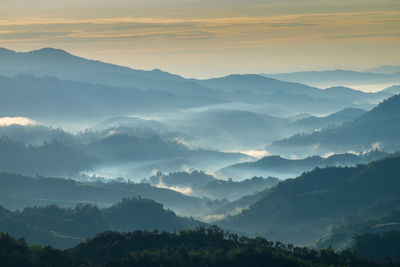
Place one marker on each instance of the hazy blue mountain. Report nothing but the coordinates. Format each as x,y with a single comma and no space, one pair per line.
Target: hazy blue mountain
315,123
129,122
338,77
266,85
284,168
232,129
258,84
376,128
302,210
201,184
66,227
51,98
18,192
121,147
107,90
137,156
46,62
386,69
395,89
52,158
36,134
345,94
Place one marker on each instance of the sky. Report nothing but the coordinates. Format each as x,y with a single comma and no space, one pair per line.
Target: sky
209,38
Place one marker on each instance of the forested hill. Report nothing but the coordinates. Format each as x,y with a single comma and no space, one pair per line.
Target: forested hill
65,227
200,247
303,209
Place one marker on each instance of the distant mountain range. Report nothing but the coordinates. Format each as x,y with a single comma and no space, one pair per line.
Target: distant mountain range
342,77
95,90
376,128
284,168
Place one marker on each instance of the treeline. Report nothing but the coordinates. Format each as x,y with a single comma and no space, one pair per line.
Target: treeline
66,227
199,247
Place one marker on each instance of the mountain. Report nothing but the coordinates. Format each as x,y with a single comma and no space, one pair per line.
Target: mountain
386,69
257,84
376,128
314,123
394,90
302,210
138,156
36,134
51,98
19,192
128,147
368,221
378,246
200,184
199,247
228,129
129,122
337,77
46,62
52,158
66,227
284,168
82,88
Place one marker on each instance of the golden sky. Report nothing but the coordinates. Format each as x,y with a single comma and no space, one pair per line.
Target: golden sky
210,38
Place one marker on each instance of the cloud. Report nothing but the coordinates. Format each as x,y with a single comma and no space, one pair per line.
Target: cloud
280,28
7,121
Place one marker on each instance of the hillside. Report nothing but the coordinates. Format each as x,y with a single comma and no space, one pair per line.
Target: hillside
18,192
53,158
376,128
337,77
199,247
313,123
303,209
200,184
284,168
66,227
52,98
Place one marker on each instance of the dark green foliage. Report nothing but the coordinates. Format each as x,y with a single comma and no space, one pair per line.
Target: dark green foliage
200,247
378,246
368,220
301,210
65,227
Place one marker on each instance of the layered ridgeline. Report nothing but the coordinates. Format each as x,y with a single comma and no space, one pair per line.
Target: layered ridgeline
199,247
281,167
376,128
54,158
133,152
18,192
91,89
66,227
342,77
302,210
200,184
